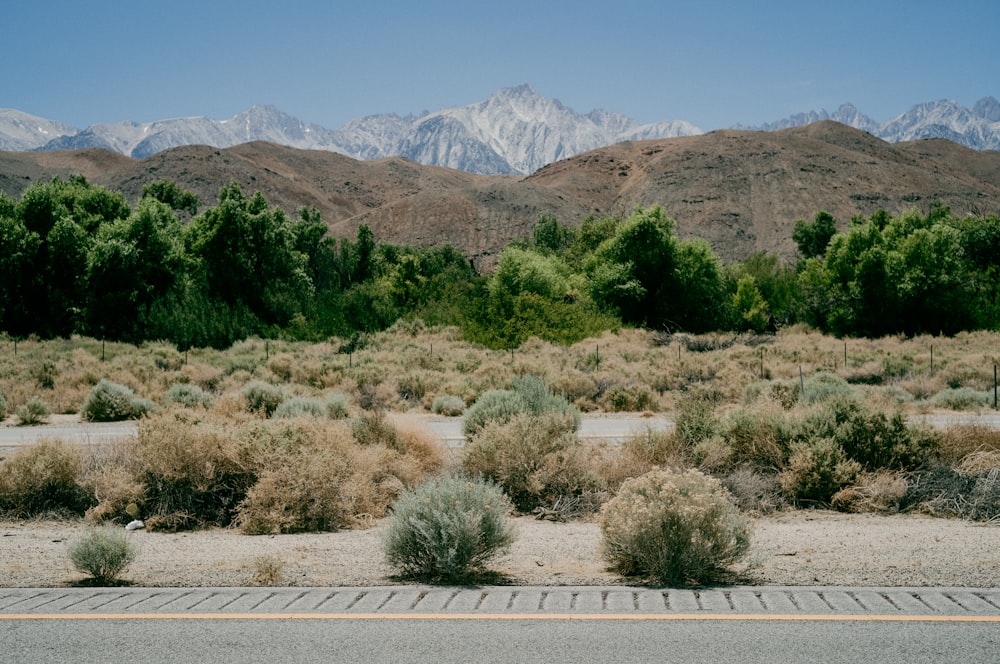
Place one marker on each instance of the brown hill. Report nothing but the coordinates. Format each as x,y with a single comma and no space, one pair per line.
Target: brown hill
740,190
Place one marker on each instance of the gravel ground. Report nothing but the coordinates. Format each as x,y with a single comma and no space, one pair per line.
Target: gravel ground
799,548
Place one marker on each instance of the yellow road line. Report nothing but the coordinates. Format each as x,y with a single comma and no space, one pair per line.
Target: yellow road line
666,617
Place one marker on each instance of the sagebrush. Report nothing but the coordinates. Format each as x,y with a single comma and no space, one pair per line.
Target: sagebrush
448,529
674,528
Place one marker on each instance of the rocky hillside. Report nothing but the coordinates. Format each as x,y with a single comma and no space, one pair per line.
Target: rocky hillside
740,190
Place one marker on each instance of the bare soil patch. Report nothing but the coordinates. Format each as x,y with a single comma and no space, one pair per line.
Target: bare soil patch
817,548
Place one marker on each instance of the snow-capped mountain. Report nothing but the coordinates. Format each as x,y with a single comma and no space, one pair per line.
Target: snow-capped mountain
977,127
847,114
258,123
515,130
20,132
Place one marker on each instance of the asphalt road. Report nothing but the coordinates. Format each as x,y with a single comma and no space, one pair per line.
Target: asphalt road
493,624
610,428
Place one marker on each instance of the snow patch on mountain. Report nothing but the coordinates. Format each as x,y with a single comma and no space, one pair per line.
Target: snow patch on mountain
21,131
515,130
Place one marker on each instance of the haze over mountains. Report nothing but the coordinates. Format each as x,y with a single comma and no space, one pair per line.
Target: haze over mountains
514,131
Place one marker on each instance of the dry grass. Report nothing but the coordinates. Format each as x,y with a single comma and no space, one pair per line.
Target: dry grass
191,466
400,370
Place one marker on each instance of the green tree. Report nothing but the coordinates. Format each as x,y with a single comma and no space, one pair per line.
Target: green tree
549,237
168,193
247,251
697,297
19,248
632,272
749,305
813,237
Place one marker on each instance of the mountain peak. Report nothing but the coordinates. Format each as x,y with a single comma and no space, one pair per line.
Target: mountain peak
514,130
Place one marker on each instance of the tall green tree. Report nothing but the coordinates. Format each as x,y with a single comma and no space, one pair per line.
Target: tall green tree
248,254
632,272
813,237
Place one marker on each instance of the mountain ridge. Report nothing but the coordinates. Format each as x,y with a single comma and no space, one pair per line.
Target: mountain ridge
514,131
741,190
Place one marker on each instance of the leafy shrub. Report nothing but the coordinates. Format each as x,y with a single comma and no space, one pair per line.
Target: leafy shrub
785,392
337,405
534,459
868,436
188,395
3,406
673,527
448,529
962,398
529,395
262,397
823,386
111,402
540,399
104,553
879,442
629,399
34,411
492,406
299,407
142,407
817,469
757,435
40,478
448,405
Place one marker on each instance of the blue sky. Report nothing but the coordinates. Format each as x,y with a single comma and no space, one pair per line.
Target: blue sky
714,64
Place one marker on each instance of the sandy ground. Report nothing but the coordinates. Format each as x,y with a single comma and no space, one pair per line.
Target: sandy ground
790,548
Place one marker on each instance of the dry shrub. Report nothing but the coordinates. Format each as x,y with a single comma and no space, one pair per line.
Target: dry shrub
956,443
980,461
423,448
754,491
314,477
575,385
816,470
112,476
413,386
268,571
630,398
41,478
282,366
883,491
640,454
206,377
944,491
374,428
194,469
534,458
713,455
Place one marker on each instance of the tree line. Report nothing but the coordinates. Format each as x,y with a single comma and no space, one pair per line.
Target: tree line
76,258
